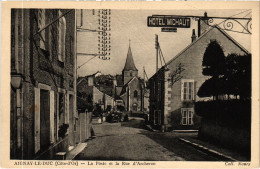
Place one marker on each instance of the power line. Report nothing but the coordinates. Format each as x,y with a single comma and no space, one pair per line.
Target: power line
87,61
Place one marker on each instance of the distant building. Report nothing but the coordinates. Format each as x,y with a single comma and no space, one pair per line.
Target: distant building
173,89
43,78
97,89
129,87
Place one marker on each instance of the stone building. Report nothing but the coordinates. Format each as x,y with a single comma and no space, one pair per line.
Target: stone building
129,87
173,89
97,90
43,83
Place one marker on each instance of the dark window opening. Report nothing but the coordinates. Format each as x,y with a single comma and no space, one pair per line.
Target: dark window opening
135,93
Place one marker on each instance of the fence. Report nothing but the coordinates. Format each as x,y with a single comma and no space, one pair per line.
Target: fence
85,125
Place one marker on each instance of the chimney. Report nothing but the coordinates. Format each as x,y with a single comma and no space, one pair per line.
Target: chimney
193,37
203,24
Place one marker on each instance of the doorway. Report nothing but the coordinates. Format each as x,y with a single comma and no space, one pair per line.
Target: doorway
44,119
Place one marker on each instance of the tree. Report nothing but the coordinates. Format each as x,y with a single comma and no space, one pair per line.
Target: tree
213,60
213,65
238,75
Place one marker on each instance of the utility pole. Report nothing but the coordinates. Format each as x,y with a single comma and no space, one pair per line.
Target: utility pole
156,47
143,73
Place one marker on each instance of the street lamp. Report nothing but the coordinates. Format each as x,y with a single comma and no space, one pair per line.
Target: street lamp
16,79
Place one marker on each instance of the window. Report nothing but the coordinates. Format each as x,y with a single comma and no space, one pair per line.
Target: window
135,93
119,101
131,74
61,38
187,90
41,23
187,116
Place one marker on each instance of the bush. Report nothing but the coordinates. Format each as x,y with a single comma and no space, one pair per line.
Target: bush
227,111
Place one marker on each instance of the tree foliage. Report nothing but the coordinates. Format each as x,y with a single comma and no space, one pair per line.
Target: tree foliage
231,75
238,75
212,87
213,60
213,65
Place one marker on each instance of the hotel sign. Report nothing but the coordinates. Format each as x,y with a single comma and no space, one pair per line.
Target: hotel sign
168,21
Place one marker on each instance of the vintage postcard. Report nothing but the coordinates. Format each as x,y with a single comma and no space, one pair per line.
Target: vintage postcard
130,85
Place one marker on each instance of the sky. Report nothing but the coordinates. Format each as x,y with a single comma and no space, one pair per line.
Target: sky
132,25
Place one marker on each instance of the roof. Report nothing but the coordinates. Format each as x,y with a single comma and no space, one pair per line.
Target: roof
223,32
108,90
129,64
213,27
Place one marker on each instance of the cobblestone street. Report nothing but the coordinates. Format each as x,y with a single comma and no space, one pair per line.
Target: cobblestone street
130,141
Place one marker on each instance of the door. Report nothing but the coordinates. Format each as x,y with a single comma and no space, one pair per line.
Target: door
134,107
44,119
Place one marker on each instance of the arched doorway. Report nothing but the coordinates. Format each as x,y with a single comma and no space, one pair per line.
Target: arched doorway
134,106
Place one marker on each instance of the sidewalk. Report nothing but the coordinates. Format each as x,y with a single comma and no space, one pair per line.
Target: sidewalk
215,150
74,152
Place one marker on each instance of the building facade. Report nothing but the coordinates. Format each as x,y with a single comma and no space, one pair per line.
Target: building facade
43,83
173,89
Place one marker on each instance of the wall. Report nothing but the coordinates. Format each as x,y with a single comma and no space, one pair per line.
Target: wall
127,75
42,68
128,97
156,98
98,96
146,100
109,101
228,136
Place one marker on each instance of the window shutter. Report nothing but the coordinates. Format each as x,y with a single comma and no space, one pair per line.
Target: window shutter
52,116
182,114
182,90
63,38
37,119
194,91
58,112
41,24
191,118
159,117
59,40
67,109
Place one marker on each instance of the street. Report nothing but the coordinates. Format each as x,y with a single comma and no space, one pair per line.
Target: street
130,141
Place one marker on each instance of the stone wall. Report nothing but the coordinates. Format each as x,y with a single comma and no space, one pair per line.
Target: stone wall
228,136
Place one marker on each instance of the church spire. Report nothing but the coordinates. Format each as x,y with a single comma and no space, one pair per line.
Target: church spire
129,64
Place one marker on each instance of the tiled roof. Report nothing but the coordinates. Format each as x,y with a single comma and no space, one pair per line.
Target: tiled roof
129,64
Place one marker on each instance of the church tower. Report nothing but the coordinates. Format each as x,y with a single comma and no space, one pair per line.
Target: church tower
129,70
